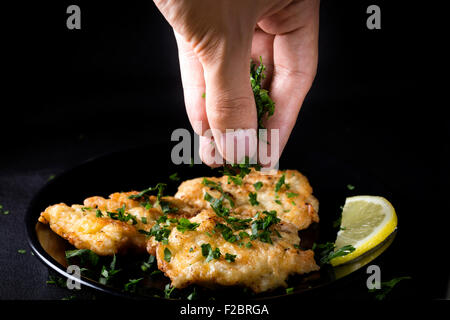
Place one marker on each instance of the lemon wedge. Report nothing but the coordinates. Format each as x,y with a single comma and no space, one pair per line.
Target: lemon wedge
366,222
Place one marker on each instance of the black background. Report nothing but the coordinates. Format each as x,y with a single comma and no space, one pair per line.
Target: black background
75,94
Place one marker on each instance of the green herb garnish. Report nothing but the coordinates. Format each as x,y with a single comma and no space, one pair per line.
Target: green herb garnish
167,254
281,182
184,225
264,104
146,265
168,291
258,185
193,295
106,274
209,253
260,226
59,281
252,198
327,253
86,256
230,257
387,287
131,285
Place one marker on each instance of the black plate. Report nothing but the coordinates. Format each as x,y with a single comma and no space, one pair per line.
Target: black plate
145,166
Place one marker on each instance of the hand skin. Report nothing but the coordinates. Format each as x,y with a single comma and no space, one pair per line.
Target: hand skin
217,38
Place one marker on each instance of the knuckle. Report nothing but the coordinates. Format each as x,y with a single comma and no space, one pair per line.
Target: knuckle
227,109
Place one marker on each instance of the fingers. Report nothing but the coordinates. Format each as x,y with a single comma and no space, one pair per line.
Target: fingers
230,105
194,98
295,64
193,86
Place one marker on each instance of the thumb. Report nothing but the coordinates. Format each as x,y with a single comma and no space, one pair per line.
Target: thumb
230,105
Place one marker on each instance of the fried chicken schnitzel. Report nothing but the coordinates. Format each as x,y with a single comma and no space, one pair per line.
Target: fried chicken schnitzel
214,232
260,266
97,225
292,199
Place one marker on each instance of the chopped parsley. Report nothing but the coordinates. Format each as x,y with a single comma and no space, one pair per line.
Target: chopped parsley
146,265
144,220
58,281
184,225
192,295
243,235
86,256
168,291
121,215
350,187
236,180
237,171
174,177
227,232
261,226
258,185
252,198
278,202
161,230
167,254
106,274
264,104
161,234
291,194
215,186
130,286
327,253
230,257
209,253
289,290
159,187
98,213
22,251
281,182
386,287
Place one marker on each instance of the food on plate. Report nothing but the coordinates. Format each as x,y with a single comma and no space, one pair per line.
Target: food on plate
240,229
211,255
110,226
287,192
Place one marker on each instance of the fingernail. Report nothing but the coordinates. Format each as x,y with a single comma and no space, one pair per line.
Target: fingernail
236,145
208,152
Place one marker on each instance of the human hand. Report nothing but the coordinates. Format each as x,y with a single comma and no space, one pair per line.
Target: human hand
216,40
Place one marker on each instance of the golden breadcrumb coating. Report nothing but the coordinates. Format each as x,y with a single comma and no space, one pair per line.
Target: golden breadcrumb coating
261,267
81,226
294,203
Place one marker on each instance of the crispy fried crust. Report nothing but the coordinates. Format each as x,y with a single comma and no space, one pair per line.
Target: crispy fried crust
103,235
297,204
84,230
261,267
